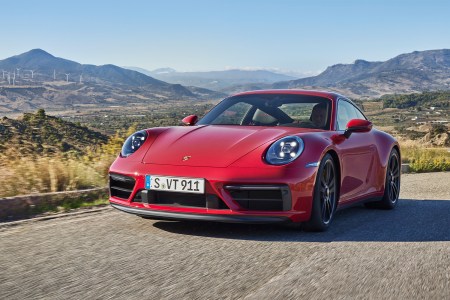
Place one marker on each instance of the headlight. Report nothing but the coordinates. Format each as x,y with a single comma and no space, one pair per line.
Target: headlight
285,150
133,143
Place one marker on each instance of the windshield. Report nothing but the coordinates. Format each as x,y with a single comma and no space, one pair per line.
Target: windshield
271,110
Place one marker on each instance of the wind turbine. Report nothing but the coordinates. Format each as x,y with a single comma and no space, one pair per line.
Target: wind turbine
9,78
67,77
18,72
4,73
80,78
14,78
32,74
54,74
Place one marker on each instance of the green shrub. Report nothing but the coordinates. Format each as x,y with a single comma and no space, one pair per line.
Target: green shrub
426,160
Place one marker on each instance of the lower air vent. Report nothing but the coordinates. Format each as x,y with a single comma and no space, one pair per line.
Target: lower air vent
121,186
261,197
180,199
138,196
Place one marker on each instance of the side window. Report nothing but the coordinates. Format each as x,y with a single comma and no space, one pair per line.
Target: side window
346,112
359,115
343,115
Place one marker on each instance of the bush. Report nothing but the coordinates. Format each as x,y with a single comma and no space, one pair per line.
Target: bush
426,160
40,114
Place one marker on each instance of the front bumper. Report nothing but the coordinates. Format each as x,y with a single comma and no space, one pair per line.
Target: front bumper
219,183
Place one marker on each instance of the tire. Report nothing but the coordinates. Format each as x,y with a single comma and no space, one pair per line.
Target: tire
324,197
391,185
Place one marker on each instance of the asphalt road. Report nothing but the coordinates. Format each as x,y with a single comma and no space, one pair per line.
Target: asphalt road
370,254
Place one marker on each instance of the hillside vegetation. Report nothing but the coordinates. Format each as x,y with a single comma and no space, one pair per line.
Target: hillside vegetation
41,153
155,116
439,99
38,133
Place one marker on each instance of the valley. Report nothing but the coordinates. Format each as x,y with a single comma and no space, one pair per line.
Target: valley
70,120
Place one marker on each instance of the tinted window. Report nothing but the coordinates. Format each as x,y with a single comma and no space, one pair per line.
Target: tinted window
346,112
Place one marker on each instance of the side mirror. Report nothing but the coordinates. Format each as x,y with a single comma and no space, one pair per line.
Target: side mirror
190,120
357,125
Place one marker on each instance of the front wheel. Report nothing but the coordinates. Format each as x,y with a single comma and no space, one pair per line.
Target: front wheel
324,197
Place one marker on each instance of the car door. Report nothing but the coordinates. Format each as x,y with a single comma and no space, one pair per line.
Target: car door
357,155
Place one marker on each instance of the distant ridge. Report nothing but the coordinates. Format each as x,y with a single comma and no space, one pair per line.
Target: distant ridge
215,80
37,79
411,72
46,64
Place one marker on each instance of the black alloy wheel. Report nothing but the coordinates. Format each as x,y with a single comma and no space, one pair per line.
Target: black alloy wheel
325,196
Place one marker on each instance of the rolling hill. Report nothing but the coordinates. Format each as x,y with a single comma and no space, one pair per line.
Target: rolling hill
47,67
38,133
37,79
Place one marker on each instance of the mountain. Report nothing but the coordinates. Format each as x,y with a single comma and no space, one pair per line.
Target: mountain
38,133
37,79
215,80
46,65
406,73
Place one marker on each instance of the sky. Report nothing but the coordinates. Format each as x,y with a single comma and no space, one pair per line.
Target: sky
197,35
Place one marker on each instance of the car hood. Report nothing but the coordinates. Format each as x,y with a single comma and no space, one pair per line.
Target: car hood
210,145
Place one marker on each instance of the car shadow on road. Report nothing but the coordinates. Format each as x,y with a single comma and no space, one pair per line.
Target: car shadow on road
411,221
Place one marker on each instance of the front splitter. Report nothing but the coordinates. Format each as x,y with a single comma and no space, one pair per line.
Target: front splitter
164,215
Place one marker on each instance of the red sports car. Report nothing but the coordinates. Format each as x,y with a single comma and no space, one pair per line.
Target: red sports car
259,157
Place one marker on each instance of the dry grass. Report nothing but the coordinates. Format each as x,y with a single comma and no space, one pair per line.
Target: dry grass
422,159
25,175
40,174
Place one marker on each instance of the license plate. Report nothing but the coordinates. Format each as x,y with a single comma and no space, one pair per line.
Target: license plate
175,184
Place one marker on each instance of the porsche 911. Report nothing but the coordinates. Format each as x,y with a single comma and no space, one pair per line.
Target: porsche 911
272,156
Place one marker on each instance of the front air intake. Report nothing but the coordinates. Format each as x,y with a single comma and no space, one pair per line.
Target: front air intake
261,197
121,186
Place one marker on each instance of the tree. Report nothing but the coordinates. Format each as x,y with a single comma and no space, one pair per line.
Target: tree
40,113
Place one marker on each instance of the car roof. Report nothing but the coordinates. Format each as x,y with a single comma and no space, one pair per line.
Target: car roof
329,95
